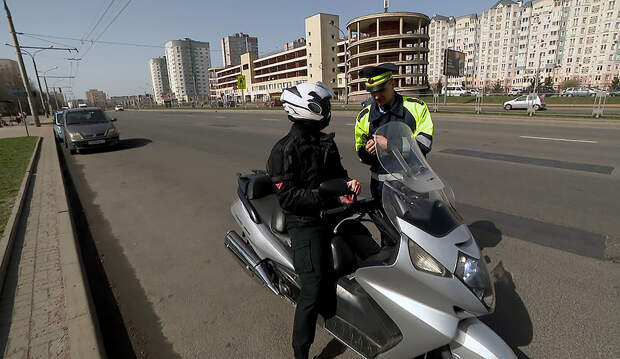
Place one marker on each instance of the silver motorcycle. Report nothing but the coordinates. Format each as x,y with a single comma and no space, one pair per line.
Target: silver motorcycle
419,297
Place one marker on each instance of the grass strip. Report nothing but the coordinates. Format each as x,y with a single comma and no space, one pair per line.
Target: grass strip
15,154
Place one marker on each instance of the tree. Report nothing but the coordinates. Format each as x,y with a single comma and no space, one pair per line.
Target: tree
615,83
548,81
497,87
569,83
438,86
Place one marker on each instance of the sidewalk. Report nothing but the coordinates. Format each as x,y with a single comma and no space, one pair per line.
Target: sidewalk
44,306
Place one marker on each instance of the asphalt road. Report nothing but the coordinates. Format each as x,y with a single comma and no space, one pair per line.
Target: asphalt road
540,195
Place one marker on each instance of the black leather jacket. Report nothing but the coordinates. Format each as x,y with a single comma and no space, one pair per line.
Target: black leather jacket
298,163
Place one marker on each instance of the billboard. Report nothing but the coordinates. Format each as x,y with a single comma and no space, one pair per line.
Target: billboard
453,63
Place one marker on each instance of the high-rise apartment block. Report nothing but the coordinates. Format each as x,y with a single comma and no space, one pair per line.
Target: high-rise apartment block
188,63
96,98
9,72
236,45
513,42
159,78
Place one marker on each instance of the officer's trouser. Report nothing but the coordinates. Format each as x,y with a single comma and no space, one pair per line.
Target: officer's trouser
376,190
312,258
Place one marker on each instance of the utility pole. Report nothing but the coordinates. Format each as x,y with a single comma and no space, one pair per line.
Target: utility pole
48,104
36,73
47,90
55,97
22,69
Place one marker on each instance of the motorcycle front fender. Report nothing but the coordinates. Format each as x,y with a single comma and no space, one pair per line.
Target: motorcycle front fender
475,340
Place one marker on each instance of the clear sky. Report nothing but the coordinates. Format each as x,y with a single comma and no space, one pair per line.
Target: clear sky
123,70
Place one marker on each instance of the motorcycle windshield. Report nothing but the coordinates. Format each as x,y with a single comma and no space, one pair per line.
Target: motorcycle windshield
412,190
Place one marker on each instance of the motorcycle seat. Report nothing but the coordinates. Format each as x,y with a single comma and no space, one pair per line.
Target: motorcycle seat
278,220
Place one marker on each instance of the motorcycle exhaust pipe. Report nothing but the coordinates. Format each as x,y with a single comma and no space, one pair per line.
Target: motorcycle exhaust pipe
248,258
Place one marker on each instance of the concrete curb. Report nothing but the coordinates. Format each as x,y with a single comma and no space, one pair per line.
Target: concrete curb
84,335
8,238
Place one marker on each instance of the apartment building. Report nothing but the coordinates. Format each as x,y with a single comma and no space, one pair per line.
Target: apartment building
514,41
459,34
236,45
314,58
9,72
188,62
159,79
590,53
96,98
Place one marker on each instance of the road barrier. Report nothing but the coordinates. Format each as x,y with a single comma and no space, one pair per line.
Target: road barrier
599,104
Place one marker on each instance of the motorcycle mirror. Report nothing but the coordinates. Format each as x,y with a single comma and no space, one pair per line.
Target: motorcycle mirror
333,188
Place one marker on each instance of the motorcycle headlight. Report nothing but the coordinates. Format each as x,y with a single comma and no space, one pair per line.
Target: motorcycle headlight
474,273
424,262
111,131
75,136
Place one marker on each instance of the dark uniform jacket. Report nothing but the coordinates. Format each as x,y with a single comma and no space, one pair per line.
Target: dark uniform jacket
298,163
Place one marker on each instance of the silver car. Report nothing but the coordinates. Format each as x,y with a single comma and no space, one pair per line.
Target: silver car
522,102
88,127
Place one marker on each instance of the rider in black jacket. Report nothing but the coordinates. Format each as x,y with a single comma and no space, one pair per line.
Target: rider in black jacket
298,164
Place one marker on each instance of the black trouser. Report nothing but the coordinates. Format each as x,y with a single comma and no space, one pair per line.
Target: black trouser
376,190
312,258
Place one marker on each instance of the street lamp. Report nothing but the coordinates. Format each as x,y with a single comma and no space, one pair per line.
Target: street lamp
22,49
47,91
346,75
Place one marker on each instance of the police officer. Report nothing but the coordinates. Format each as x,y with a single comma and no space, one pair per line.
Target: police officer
388,105
298,164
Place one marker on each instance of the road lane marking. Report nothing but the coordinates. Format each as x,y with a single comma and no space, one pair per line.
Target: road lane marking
349,124
269,119
543,162
221,117
557,139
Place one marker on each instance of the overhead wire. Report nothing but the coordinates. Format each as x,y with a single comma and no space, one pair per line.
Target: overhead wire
93,41
107,27
100,18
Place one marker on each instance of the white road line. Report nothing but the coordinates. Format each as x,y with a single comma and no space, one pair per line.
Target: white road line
558,139
221,117
349,124
269,119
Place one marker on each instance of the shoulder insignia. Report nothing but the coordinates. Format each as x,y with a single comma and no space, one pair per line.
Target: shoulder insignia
362,113
413,99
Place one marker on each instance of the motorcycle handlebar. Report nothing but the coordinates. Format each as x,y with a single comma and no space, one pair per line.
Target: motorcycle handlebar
353,207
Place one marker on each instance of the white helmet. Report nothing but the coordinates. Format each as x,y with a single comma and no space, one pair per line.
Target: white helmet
308,102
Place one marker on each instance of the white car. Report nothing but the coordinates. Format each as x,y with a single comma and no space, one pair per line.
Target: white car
119,108
455,91
522,102
578,91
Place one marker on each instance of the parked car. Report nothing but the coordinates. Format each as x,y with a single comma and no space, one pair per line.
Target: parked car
522,102
578,91
615,92
231,103
88,127
273,102
119,108
58,133
454,91
471,92
82,105
546,90
516,91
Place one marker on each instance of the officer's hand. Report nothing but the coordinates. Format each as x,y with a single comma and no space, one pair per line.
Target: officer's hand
381,142
370,147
